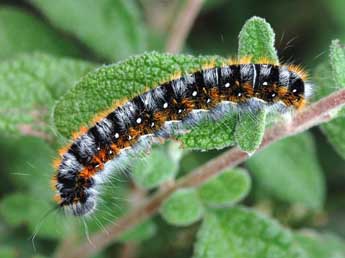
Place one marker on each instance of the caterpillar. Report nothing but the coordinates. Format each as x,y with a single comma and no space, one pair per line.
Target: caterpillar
87,162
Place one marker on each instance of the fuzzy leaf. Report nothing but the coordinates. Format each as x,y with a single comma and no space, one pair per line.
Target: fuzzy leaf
29,85
228,188
238,233
321,246
337,60
141,232
182,208
112,29
155,169
322,77
289,170
250,129
210,135
256,40
334,130
20,208
37,36
99,90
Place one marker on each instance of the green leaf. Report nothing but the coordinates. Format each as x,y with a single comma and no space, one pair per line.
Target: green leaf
239,232
322,77
209,135
227,188
112,29
155,169
334,130
321,245
289,170
37,36
20,208
337,60
28,163
7,252
250,130
256,40
29,85
182,208
143,231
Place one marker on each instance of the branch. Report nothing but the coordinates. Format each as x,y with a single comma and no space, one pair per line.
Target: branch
312,115
183,24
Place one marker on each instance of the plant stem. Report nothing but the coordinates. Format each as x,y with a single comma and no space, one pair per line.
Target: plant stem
182,25
312,115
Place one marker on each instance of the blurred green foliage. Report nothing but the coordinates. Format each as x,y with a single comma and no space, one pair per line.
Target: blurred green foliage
49,87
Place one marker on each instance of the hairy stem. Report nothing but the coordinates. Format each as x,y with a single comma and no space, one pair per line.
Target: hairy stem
182,25
312,115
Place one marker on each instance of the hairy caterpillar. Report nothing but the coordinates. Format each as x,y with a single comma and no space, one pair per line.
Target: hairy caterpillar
186,99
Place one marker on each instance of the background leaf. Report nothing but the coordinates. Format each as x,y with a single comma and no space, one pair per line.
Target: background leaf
34,209
157,168
238,232
22,32
28,161
141,232
113,29
182,208
227,188
8,252
30,84
289,170
321,245
335,133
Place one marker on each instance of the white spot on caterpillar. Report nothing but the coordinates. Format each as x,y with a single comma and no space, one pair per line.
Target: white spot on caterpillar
227,85
165,105
194,93
139,120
